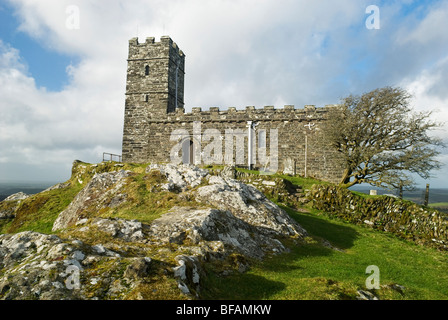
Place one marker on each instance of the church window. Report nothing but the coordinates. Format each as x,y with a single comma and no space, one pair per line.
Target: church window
145,97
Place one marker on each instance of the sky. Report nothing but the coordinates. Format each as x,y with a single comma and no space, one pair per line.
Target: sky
63,65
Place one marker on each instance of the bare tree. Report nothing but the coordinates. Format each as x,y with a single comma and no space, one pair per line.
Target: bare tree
381,140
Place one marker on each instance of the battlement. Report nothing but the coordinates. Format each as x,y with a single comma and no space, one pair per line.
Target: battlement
155,77
267,113
157,128
306,108
152,49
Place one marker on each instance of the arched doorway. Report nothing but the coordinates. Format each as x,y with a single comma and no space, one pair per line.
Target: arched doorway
188,151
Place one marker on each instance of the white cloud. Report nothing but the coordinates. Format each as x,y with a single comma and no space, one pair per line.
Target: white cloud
422,88
424,45
37,126
429,31
246,52
427,96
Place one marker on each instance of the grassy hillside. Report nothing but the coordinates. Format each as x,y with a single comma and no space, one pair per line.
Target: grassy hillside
313,271
338,270
38,212
441,206
331,265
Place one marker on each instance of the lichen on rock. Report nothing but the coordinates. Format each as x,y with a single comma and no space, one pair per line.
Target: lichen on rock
97,255
180,177
250,205
103,190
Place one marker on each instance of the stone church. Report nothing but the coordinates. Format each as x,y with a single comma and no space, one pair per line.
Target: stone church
157,128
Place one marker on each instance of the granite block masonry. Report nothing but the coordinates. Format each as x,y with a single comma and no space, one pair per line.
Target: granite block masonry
157,128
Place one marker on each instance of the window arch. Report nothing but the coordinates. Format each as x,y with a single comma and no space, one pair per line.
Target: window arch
188,151
146,70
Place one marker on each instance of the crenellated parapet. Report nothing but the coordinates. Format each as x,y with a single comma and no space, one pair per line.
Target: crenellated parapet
151,49
267,113
155,77
157,128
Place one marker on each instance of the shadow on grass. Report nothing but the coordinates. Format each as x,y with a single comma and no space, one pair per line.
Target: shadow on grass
240,287
4,224
319,228
339,235
255,286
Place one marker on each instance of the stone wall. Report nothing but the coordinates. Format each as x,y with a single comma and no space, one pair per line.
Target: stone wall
226,132
403,218
157,129
154,88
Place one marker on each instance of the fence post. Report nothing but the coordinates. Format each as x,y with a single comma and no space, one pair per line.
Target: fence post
427,195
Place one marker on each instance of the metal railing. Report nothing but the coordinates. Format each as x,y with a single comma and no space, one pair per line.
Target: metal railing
110,157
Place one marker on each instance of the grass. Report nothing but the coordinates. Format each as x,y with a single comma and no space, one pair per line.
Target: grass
313,271
146,201
439,205
38,212
306,183
309,271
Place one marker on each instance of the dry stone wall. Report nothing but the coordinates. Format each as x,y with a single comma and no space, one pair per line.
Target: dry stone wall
403,218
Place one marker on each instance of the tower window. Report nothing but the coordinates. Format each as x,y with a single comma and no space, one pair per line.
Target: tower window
146,70
145,97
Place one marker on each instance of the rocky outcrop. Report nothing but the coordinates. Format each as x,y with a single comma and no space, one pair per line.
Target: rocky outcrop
39,266
9,205
17,196
250,205
126,230
180,177
103,190
94,256
8,211
27,259
57,186
213,227
245,202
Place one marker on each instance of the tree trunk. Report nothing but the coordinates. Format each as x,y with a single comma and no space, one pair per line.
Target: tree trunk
349,184
345,178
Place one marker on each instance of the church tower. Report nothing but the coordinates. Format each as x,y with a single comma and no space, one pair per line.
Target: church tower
154,88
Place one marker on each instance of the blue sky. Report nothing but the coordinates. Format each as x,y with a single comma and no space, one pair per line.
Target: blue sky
45,65
62,88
